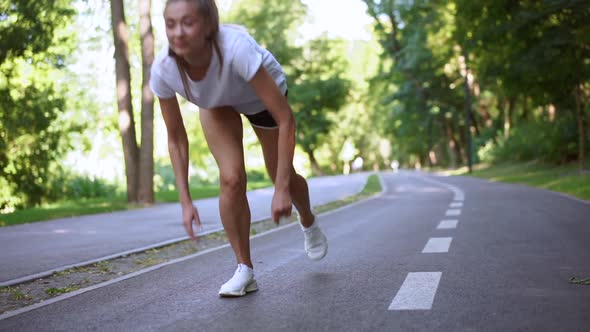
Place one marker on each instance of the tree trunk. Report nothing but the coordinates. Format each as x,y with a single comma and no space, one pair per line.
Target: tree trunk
429,142
585,96
315,167
508,109
146,153
123,76
468,114
525,108
460,139
451,144
581,133
475,124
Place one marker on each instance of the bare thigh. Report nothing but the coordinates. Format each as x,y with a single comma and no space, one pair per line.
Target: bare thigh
223,132
269,141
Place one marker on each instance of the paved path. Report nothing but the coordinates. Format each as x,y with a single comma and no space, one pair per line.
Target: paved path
35,248
429,254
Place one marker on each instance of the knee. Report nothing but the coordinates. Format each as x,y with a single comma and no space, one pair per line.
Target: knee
233,182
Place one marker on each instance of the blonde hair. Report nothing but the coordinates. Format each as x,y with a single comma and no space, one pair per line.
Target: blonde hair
208,10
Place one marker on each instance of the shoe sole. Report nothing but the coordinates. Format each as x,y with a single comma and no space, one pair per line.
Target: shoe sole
320,257
252,287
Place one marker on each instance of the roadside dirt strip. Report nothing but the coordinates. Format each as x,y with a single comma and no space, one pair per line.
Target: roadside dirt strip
36,291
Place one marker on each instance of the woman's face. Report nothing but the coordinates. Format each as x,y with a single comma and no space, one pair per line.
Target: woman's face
185,28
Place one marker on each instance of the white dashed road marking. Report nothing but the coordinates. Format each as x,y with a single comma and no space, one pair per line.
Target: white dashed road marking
419,289
437,245
453,212
448,224
417,292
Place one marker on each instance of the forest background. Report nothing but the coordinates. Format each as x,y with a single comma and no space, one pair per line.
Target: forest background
424,83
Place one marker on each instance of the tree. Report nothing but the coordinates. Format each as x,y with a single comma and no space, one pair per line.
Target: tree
146,153
272,23
525,62
355,123
139,177
34,46
314,71
414,90
536,50
319,90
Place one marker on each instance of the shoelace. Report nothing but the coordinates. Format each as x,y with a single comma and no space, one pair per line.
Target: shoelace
313,236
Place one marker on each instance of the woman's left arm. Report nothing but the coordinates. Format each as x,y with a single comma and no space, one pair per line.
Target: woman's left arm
276,103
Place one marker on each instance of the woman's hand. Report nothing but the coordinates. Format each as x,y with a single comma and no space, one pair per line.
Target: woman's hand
281,205
190,215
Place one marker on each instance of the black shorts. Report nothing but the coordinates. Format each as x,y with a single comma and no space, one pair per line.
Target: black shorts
263,119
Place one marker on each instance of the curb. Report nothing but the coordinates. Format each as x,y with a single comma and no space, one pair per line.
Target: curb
19,311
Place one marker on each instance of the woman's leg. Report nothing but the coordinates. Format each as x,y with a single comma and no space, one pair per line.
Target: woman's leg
298,185
315,243
223,132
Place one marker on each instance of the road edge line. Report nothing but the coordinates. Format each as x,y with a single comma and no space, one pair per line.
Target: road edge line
42,304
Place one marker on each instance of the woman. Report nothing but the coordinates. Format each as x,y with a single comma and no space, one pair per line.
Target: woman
226,73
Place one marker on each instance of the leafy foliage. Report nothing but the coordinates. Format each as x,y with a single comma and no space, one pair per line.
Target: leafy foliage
523,60
27,27
272,23
315,70
319,89
539,140
32,133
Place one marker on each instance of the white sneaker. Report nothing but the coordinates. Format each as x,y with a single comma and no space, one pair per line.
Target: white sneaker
241,283
316,243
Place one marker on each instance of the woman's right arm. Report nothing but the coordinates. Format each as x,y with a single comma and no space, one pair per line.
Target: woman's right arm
178,150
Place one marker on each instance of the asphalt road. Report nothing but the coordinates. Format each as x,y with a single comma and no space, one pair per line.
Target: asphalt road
504,266
32,249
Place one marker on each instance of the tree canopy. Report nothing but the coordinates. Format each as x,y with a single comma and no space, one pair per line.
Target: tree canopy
34,45
526,63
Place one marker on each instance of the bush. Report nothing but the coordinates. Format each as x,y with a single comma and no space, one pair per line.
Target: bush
74,186
62,186
257,175
164,177
552,142
165,180
9,202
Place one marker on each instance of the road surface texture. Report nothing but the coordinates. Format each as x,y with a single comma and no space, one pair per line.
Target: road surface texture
428,254
31,250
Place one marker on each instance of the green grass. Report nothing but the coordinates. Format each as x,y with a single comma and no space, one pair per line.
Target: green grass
15,293
65,209
565,178
79,207
170,196
58,291
372,186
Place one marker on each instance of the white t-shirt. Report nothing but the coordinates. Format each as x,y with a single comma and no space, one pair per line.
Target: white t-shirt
242,57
